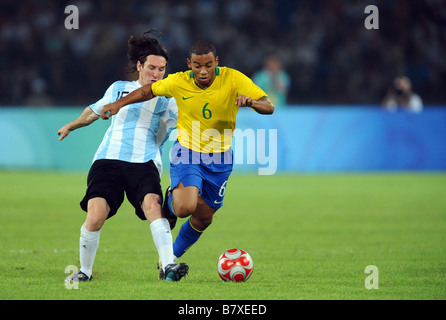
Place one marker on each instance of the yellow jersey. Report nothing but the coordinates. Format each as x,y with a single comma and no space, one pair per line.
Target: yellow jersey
207,117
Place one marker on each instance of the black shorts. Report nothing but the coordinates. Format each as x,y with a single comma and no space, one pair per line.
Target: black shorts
110,179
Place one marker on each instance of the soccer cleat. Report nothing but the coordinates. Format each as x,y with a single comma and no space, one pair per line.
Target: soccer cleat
80,276
161,276
166,211
174,272
159,266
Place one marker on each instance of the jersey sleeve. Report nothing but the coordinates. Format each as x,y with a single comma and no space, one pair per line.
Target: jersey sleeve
162,87
246,86
106,99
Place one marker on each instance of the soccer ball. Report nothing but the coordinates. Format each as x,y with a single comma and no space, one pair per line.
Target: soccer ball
235,265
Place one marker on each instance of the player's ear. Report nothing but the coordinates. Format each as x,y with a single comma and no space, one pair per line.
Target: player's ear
216,60
189,63
138,66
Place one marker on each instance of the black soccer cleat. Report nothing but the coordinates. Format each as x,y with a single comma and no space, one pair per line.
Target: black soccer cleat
166,211
161,275
174,272
78,277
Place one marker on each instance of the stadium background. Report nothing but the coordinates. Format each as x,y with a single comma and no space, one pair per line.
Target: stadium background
339,72
332,58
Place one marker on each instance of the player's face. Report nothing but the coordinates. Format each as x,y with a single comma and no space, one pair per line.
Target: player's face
203,68
152,70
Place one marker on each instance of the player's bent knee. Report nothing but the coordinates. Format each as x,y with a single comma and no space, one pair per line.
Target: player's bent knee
94,223
184,210
151,202
151,206
97,213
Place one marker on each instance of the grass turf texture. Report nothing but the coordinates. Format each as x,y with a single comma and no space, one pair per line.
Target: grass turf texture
310,236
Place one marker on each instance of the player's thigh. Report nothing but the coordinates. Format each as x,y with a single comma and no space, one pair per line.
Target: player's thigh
143,188
214,189
104,183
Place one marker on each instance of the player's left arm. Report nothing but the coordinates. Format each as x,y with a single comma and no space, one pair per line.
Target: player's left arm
86,118
262,105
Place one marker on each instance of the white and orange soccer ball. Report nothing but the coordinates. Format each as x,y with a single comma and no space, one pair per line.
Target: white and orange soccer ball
235,265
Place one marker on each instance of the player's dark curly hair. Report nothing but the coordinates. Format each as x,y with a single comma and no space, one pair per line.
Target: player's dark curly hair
139,47
202,47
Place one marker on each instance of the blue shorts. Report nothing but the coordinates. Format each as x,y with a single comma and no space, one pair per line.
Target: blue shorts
208,172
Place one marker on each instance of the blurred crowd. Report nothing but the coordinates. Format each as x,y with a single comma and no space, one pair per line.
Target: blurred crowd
330,57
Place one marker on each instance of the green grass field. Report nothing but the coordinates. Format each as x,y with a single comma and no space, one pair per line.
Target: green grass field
310,236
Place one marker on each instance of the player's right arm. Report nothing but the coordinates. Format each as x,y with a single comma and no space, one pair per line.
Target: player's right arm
87,117
142,94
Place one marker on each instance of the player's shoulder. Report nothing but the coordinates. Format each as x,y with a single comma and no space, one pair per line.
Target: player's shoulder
124,85
227,72
179,75
233,76
172,79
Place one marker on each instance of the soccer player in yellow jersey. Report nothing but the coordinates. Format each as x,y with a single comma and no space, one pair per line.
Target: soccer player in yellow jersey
208,99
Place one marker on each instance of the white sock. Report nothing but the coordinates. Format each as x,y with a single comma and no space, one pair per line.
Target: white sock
88,244
162,237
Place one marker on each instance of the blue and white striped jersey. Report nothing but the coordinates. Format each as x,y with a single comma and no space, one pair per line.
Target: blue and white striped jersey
138,131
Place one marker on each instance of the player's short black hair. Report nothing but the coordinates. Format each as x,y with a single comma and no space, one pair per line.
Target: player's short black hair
201,47
140,47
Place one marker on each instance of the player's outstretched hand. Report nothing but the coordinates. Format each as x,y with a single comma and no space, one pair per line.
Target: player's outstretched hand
63,132
243,101
109,110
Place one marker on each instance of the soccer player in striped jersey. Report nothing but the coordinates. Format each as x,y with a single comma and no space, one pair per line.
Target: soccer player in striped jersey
129,159
208,98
